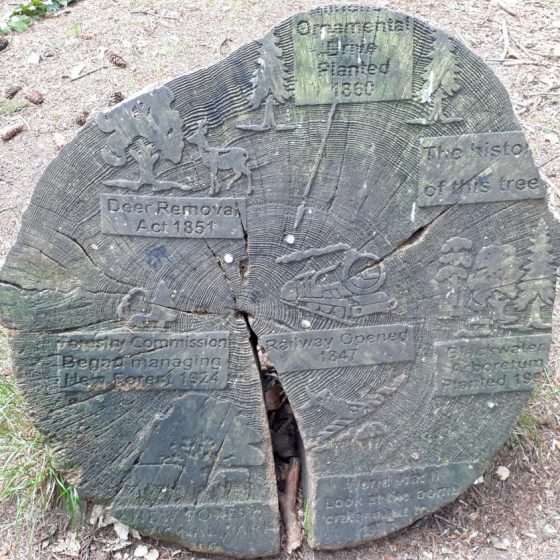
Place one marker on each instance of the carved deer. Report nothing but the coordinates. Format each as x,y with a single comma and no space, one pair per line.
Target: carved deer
234,159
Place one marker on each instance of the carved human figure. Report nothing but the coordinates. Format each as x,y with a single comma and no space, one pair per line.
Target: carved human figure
456,260
538,282
494,280
150,129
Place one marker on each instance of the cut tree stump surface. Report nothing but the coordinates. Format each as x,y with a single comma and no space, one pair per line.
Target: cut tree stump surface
348,200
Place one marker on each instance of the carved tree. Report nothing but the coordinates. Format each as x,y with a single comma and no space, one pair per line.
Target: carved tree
440,80
537,285
149,129
494,282
269,84
457,261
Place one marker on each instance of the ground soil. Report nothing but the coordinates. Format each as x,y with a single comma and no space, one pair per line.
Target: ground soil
518,518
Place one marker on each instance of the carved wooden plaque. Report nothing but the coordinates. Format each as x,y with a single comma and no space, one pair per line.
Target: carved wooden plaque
350,196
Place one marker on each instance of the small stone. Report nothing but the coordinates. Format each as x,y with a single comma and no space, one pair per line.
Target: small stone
96,514
152,555
141,551
502,473
121,529
549,529
3,43
499,542
59,141
479,480
34,58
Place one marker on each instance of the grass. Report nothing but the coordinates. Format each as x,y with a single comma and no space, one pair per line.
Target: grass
75,30
9,107
28,475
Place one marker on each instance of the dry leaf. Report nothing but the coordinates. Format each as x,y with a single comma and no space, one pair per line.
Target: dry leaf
77,70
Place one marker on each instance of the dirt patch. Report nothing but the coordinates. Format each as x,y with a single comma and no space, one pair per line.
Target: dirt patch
517,518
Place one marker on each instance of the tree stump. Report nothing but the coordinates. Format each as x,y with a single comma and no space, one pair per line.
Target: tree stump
347,205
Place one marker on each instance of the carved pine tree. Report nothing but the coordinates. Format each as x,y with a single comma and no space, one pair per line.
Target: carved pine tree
456,260
269,84
537,285
440,80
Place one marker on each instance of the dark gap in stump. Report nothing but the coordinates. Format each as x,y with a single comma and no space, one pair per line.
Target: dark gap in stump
286,441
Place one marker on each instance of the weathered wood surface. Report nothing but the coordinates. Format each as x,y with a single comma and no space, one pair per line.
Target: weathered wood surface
354,190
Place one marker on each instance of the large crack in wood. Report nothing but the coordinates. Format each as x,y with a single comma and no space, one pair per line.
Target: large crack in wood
285,438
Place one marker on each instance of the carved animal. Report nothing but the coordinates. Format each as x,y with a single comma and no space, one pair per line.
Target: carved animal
234,159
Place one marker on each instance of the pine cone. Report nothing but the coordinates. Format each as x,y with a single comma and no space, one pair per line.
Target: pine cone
12,91
115,97
3,43
116,59
81,119
34,96
9,132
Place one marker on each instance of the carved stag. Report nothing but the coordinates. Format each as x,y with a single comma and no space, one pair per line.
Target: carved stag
231,159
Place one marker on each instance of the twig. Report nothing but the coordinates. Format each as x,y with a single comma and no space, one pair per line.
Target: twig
287,502
546,93
509,62
505,37
88,73
548,161
154,14
507,10
521,47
